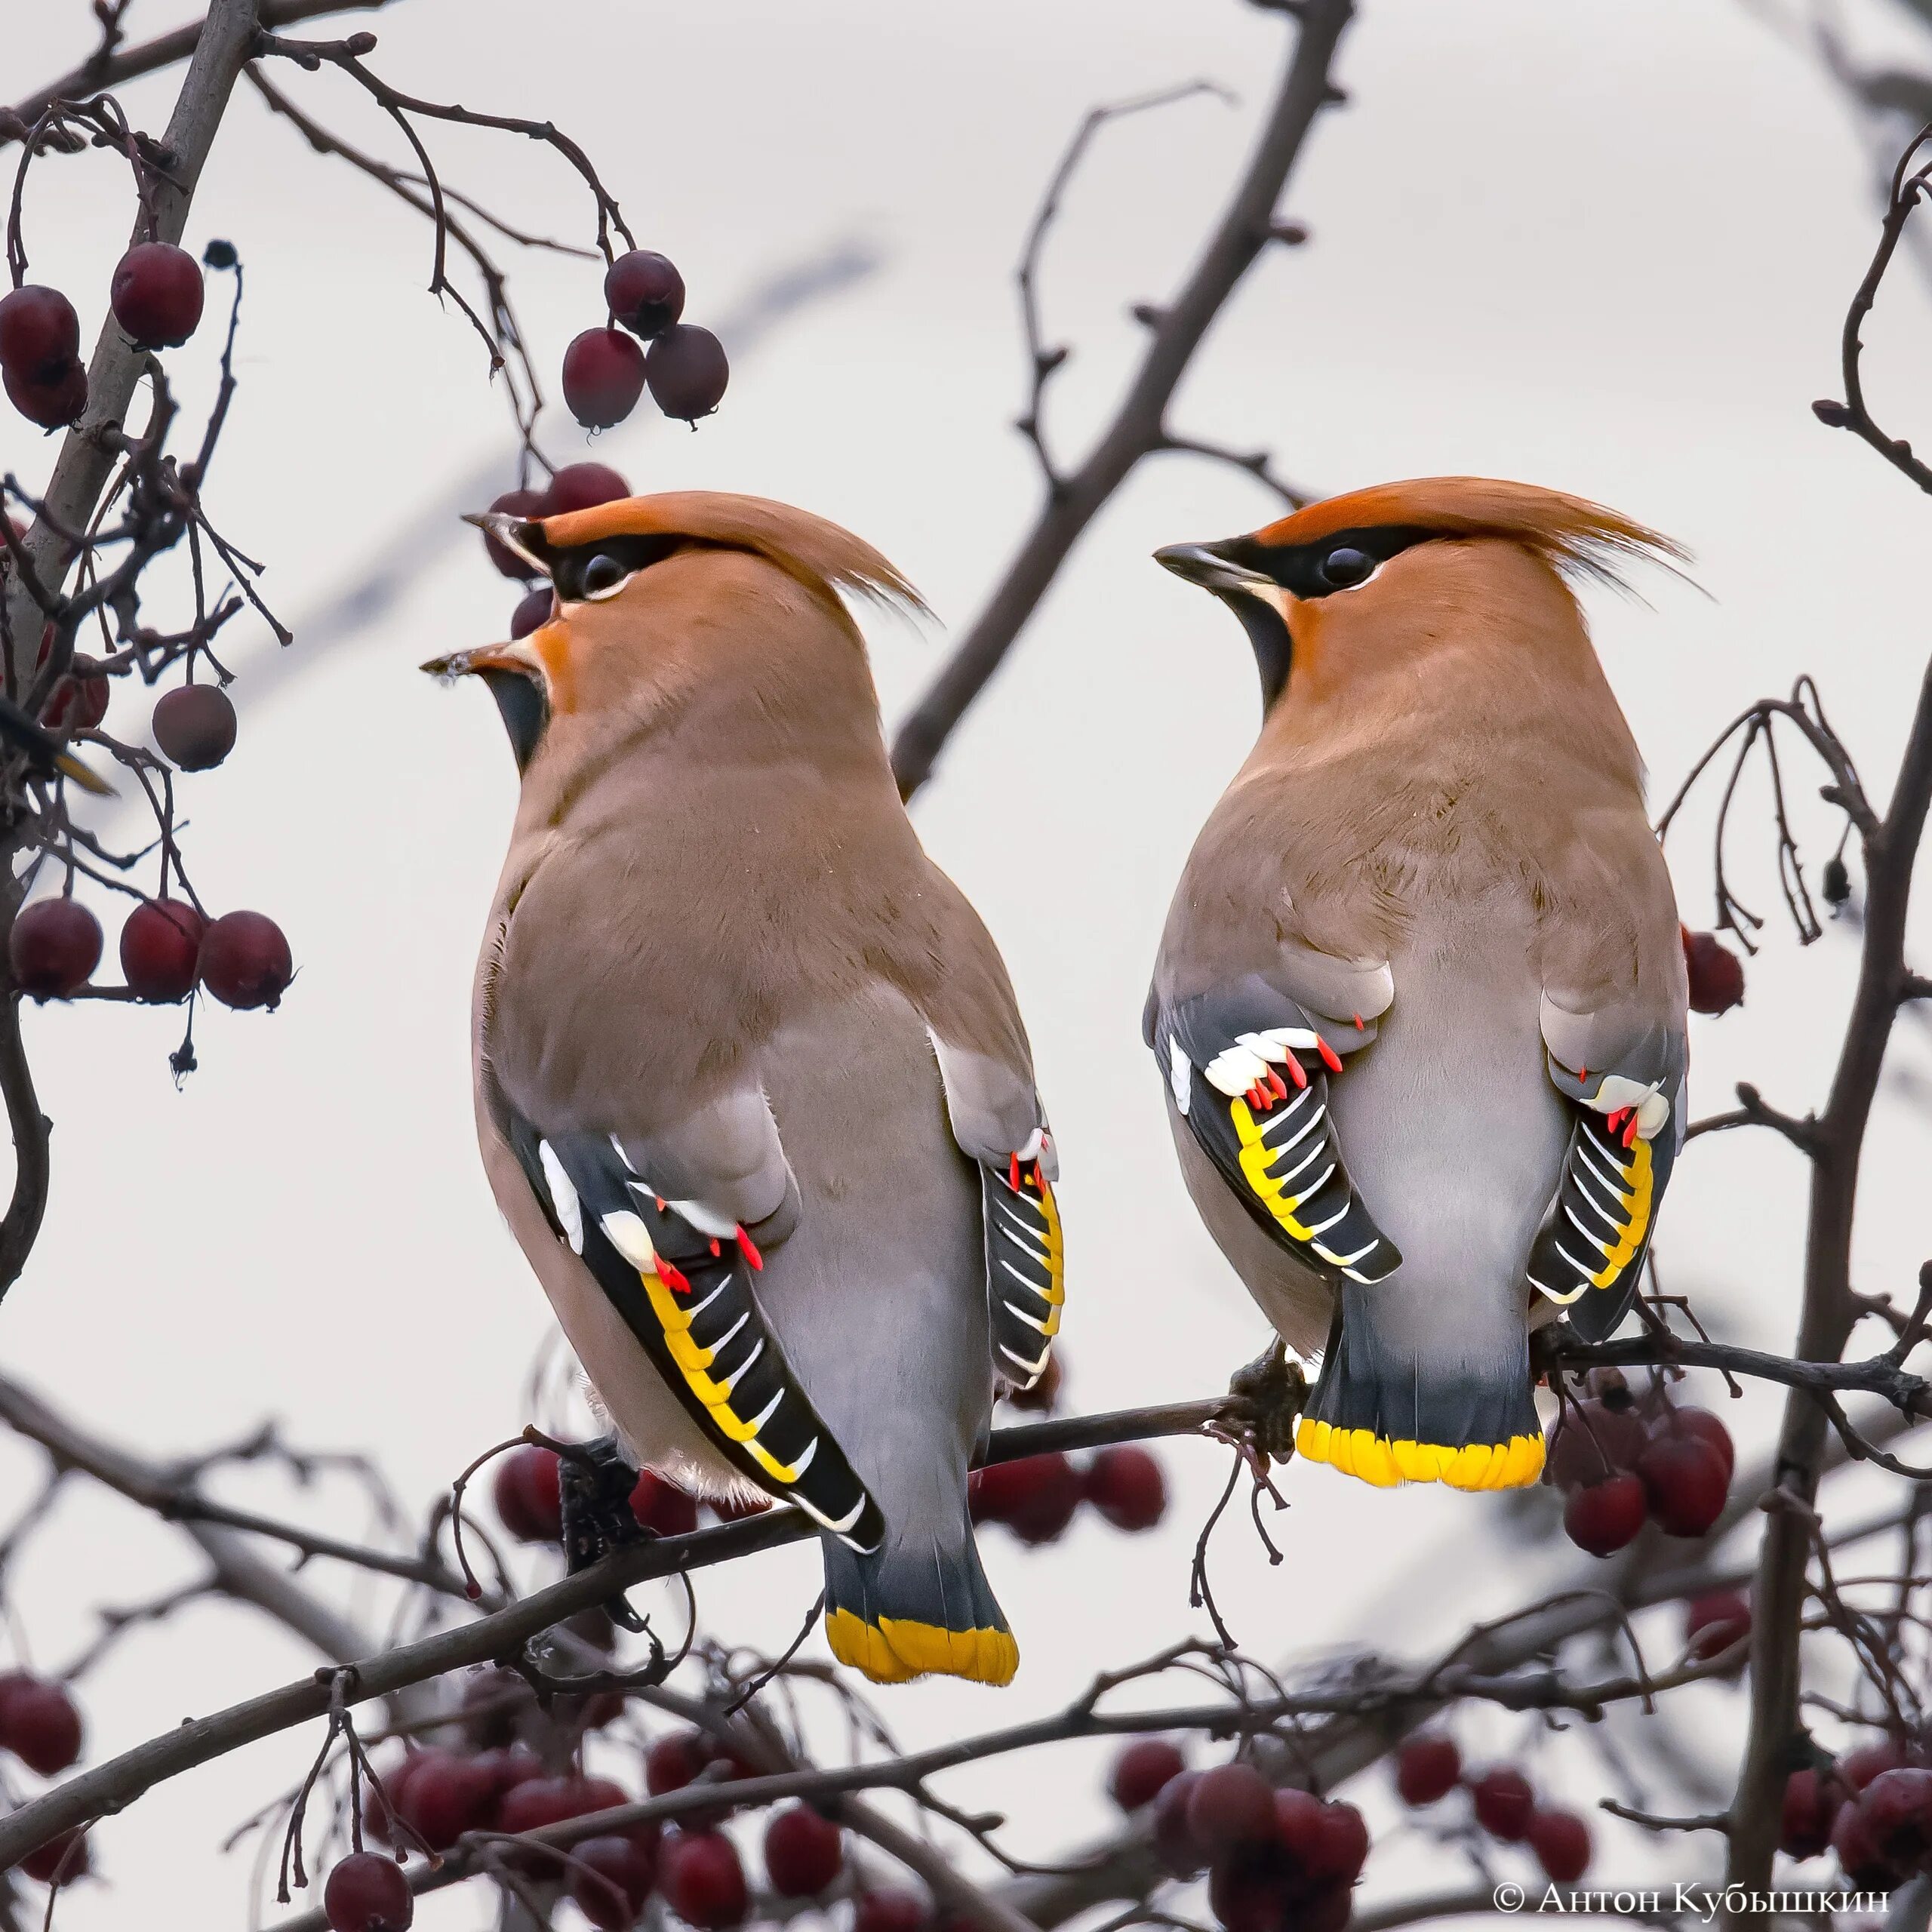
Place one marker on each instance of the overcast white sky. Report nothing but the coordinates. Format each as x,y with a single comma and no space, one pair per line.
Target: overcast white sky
1605,246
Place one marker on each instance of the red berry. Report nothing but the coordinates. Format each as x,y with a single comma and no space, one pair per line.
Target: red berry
1716,974
40,334
1591,1442
1045,1395
675,1760
659,1504
54,403
1341,1849
244,960
1143,1771
1858,1768
737,1508
1561,1842
1174,1842
62,1859
1713,1622
803,1852
495,1702
377,1808
687,372
536,609
1124,1483
529,1500
1604,1517
644,292
1250,1893
526,506
1504,1803
448,1796
702,1881
1035,1497
603,377
1329,1910
1704,1425
156,294
1685,1483
38,1723
367,1893
582,486
889,1911
610,1879
54,948
1232,1804
161,946
78,702
1810,1803
194,725
1301,1827
1896,1808
1858,1854
1426,1768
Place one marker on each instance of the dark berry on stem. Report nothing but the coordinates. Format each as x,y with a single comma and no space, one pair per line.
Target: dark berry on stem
1836,883
1811,1801
1606,1516
805,1851
687,372
1341,1849
538,1801
1504,1803
526,506
1714,1622
1716,974
1231,1805
525,1490
367,1893
446,1797
1174,1842
54,948
659,1504
604,372
534,611
1706,1427
194,726
610,1879
644,292
63,1858
1858,1768
1896,1809
1125,1484
245,960
1427,1768
582,486
1592,1441
1686,1483
702,1881
674,1761
38,1723
1561,1842
1143,1771
1858,1854
161,947
40,334
156,294
52,404
1035,1497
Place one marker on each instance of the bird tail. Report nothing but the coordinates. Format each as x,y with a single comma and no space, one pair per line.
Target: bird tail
1389,1413
917,1607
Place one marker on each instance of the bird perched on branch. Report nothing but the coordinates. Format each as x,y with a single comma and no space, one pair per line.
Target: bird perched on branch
753,1090
1420,999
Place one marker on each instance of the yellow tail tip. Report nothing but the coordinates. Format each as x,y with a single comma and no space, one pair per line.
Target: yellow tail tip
1374,1459
894,1651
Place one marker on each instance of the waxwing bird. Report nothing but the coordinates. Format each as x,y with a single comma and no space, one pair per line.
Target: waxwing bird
1420,999
752,1087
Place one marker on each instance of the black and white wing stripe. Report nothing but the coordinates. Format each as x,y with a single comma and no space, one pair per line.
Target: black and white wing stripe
686,1294
1025,1267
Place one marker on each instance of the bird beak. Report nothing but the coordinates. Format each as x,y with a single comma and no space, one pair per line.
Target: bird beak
516,658
517,535
85,776
1204,565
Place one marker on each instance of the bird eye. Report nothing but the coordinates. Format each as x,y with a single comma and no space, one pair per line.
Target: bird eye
1345,566
604,576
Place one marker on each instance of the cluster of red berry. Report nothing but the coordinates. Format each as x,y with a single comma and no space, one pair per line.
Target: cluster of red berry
1873,1808
156,298
1036,1497
577,486
167,949
605,369
1622,1468
41,1726
1502,1802
529,1500
1276,1861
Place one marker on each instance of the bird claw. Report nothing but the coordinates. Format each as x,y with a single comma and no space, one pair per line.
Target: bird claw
1266,1397
595,1481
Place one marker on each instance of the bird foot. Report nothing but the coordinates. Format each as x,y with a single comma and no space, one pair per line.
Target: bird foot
594,1481
1265,1398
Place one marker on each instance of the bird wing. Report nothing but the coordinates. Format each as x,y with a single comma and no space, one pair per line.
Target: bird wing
1226,1052
1621,1066
670,1228
997,1119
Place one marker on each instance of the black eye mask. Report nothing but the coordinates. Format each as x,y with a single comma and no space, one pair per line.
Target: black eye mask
1340,562
580,573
